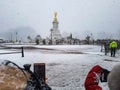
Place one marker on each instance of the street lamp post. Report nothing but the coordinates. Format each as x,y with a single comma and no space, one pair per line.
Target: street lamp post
51,36
16,36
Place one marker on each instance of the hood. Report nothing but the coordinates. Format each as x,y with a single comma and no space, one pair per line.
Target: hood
97,69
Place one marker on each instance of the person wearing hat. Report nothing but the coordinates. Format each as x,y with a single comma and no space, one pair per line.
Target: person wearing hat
113,46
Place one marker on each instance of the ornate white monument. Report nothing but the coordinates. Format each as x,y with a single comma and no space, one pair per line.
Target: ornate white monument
55,32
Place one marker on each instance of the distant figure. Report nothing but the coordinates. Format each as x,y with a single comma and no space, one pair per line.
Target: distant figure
114,78
106,47
96,74
113,46
102,47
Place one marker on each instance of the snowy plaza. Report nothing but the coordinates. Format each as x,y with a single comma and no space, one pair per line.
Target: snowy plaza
66,65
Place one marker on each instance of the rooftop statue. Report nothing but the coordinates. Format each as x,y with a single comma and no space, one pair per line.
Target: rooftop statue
55,16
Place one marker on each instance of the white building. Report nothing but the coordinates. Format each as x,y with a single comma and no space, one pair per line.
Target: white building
55,32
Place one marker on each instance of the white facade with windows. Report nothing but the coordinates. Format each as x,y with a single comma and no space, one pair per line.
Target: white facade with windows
55,32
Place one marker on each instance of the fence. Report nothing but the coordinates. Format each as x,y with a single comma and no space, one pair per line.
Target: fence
12,50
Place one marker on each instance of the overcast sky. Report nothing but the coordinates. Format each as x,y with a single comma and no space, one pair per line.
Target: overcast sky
80,17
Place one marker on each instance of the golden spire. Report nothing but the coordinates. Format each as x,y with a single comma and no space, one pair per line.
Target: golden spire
55,16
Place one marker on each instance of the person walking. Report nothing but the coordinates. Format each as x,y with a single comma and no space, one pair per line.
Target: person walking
113,46
106,47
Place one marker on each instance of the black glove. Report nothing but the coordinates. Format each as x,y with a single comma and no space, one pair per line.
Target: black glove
104,75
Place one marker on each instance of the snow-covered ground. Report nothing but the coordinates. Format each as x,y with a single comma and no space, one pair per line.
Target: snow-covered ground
66,65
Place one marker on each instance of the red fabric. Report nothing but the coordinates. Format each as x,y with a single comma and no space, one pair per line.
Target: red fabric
92,79
93,87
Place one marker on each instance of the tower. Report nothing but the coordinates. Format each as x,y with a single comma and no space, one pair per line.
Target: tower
55,32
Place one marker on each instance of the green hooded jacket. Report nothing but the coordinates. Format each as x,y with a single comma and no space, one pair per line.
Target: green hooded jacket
113,44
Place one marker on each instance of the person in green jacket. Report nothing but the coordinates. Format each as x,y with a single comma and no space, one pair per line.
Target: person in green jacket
113,46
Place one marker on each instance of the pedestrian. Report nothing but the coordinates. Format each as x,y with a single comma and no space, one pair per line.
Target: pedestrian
106,47
114,78
113,46
96,74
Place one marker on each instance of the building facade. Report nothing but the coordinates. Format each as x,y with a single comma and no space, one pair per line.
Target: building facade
55,32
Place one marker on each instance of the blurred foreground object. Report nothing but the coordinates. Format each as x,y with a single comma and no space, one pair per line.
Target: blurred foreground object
114,78
14,77
96,74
